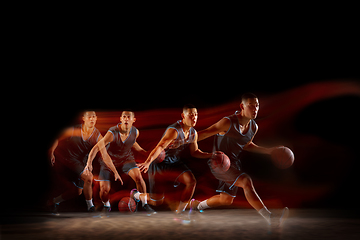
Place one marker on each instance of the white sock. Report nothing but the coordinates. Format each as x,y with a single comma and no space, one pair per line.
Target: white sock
106,204
89,203
137,196
143,199
265,213
58,199
203,205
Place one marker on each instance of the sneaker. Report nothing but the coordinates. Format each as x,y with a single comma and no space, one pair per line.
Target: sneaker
149,209
132,193
276,222
193,206
91,209
182,217
55,209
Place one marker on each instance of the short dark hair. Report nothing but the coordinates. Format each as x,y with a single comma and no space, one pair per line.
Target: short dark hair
84,112
248,95
128,110
188,106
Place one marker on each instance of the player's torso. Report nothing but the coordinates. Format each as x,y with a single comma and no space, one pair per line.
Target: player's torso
233,141
79,145
120,147
173,151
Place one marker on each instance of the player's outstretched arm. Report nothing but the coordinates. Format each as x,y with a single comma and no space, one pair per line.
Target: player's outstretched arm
100,146
220,127
170,135
138,148
65,134
196,152
252,147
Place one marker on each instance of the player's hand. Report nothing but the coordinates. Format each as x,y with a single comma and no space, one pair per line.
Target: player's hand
144,167
274,148
88,169
117,177
52,159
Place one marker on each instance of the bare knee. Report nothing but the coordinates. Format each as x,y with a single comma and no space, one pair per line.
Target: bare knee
87,178
104,188
245,182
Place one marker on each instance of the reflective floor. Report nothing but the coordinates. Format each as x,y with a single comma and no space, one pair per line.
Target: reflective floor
212,224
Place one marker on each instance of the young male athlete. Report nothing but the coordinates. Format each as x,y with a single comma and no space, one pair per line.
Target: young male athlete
68,156
175,139
121,139
235,134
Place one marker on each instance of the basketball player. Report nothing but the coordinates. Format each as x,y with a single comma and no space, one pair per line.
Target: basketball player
175,139
233,135
68,156
121,139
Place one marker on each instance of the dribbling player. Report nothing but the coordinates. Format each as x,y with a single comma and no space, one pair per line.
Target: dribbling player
176,138
235,134
68,156
121,139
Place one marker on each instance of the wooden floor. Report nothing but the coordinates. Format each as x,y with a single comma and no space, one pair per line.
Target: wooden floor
212,224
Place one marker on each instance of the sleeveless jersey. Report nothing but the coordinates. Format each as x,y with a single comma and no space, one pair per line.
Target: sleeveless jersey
76,148
173,151
119,150
233,141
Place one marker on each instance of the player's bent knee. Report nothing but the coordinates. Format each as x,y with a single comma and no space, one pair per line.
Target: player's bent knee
226,200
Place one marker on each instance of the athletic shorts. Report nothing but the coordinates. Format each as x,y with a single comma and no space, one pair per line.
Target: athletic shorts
162,173
106,174
70,170
228,179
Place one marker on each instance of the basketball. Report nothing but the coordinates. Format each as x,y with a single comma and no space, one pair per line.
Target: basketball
282,157
127,204
220,162
161,157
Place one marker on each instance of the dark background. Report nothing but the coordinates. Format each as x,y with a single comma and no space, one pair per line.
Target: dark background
141,77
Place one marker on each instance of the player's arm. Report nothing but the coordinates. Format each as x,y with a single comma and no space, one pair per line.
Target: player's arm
170,135
220,127
196,152
138,148
252,147
65,134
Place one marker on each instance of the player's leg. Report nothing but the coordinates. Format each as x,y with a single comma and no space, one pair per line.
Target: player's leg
188,179
135,174
105,187
87,190
245,182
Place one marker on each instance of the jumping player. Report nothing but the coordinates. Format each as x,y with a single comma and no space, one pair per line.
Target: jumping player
175,139
235,134
121,139
68,156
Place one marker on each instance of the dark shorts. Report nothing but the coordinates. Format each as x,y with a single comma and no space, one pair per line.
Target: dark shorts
228,179
162,173
106,174
70,170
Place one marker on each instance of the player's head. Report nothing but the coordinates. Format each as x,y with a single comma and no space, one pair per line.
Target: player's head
89,118
249,105
189,115
127,118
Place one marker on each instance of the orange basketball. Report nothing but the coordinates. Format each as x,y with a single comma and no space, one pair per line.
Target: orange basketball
282,157
127,204
220,162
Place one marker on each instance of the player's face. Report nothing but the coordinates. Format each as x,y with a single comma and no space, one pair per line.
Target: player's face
127,118
190,117
251,107
89,119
